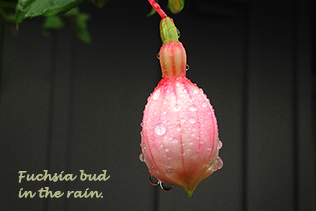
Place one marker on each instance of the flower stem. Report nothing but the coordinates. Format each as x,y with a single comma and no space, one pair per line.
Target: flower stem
158,9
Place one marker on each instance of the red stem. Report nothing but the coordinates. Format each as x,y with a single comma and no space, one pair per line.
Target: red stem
158,9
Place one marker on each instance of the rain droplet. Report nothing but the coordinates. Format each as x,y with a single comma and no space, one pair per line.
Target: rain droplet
167,149
169,89
219,145
178,31
179,127
193,108
141,157
187,67
160,129
195,91
166,186
220,163
170,171
204,104
156,95
192,120
164,101
177,107
141,124
158,56
144,146
153,180
164,112
174,140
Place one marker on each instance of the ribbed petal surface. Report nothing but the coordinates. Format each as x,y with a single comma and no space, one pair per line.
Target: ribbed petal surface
180,137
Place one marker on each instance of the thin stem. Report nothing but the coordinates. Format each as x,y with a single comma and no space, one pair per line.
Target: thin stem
158,9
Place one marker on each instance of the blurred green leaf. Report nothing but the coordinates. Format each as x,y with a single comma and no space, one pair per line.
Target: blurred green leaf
51,24
73,19
80,27
34,8
99,3
152,11
175,6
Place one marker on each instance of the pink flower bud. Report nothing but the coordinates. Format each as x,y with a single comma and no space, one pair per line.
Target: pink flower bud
180,141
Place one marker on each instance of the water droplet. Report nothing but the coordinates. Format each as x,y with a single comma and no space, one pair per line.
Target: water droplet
144,146
220,163
193,108
187,67
219,145
156,95
174,140
195,91
160,129
158,56
169,89
192,120
166,186
177,107
210,168
164,112
179,127
153,180
167,149
141,124
164,101
170,171
204,104
178,31
141,157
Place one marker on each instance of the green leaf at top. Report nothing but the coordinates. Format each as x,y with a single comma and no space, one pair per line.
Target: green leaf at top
175,5
99,3
33,8
152,11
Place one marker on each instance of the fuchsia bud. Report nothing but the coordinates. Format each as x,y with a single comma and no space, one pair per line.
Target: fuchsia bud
180,141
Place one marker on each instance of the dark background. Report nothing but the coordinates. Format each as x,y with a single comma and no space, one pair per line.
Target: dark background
67,106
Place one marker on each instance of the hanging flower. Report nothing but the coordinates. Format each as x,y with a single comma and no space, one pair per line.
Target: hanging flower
180,141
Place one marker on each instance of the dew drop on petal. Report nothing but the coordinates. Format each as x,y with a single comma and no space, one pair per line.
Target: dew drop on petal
156,95
166,186
153,180
167,149
193,108
220,163
169,89
204,104
160,129
192,120
158,56
177,107
179,127
187,67
165,101
170,171
219,145
141,157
